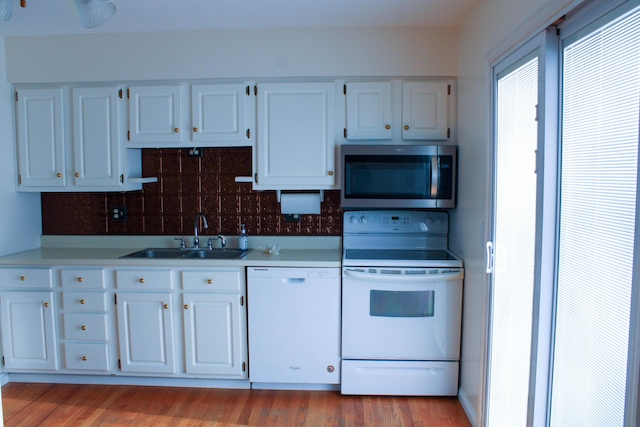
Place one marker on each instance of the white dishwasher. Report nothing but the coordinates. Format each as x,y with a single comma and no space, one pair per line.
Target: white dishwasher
294,325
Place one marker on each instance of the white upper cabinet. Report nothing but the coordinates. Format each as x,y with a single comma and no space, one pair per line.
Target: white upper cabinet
296,136
399,110
40,135
425,107
368,110
155,114
71,139
220,113
96,130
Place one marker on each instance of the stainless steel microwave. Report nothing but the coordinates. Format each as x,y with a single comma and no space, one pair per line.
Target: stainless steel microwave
398,176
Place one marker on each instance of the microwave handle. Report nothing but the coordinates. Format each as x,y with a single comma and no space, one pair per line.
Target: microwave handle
435,176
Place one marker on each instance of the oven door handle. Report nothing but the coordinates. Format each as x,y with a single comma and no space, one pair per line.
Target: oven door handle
453,274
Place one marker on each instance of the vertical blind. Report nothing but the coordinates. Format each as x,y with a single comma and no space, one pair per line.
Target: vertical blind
601,90
514,236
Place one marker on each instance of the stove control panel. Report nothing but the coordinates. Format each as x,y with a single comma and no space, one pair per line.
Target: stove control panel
396,222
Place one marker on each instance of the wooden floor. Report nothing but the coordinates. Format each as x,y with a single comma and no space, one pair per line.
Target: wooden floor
100,405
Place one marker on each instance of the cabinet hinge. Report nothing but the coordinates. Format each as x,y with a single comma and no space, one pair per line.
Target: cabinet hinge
248,90
344,89
448,132
244,366
255,177
2,360
128,135
122,179
242,301
120,364
115,299
120,93
255,90
16,96
19,179
248,133
127,93
448,89
344,132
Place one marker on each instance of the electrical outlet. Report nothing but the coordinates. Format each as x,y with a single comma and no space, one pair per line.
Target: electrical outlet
119,213
292,217
195,152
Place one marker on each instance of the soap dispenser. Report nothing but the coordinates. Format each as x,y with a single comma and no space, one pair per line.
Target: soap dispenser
243,239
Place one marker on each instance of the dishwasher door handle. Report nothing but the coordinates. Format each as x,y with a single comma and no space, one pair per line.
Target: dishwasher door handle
293,280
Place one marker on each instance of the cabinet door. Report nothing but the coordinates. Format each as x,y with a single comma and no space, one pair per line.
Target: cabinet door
155,114
145,327
28,340
215,334
296,136
40,134
369,110
96,137
424,110
219,113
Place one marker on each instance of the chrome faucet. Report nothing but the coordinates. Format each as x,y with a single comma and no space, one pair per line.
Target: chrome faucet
196,224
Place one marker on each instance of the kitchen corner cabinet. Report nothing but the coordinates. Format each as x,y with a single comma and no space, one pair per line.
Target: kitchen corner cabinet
145,321
296,140
69,139
399,110
28,322
425,107
40,135
369,110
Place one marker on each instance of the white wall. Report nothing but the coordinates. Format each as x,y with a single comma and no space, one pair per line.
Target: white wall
233,54
492,28
20,217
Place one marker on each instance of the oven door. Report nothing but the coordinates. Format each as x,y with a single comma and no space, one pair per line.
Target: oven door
401,314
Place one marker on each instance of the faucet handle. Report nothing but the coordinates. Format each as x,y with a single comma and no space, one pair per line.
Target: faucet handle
183,245
223,241
210,243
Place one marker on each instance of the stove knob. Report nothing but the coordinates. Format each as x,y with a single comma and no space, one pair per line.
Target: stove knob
353,220
362,220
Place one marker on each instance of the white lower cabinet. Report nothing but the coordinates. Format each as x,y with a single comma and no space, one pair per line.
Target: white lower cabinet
215,322
165,322
145,329
213,334
27,312
28,338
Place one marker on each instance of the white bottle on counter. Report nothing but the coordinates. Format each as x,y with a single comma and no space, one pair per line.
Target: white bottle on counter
243,239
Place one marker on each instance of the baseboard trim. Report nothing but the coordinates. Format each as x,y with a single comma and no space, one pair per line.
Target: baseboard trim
467,406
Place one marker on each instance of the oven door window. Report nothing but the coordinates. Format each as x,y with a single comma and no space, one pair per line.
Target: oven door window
401,303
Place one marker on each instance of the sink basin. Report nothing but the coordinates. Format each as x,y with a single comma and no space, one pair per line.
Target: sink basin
157,253
216,254
173,253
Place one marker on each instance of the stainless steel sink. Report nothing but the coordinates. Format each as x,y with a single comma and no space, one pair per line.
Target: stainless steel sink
216,254
169,253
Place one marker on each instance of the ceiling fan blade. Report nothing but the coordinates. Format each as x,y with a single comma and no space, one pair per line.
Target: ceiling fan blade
5,10
94,12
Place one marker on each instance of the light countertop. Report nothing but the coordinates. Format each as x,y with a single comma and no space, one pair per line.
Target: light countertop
303,252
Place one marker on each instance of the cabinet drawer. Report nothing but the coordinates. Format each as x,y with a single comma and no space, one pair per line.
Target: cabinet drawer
93,357
140,279
84,301
83,278
85,326
22,277
212,280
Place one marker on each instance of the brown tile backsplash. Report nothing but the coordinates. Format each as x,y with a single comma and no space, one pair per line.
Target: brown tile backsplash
186,186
